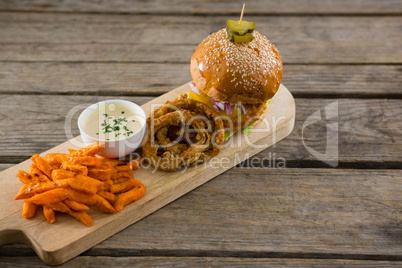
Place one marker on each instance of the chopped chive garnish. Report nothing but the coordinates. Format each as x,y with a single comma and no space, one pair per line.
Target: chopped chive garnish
115,126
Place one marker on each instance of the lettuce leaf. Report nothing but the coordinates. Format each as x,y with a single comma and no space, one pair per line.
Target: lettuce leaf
247,130
229,134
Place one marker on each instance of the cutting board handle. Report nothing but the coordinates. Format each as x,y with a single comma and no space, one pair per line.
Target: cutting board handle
13,236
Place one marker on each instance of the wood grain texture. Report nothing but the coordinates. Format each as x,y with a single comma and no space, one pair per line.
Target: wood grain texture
139,38
205,7
5,166
33,262
361,122
348,213
125,79
310,217
67,238
270,213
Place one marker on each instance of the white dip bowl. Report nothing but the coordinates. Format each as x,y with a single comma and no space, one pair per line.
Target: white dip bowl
123,144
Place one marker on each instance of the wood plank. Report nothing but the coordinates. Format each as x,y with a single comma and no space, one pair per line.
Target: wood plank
208,7
102,261
348,213
5,166
293,213
157,78
130,38
361,122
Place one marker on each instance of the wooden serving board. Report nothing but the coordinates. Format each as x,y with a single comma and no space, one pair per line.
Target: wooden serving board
66,238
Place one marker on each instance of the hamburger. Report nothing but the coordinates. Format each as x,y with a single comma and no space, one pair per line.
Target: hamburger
237,79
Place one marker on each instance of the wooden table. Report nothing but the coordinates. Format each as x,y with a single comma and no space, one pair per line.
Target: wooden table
55,55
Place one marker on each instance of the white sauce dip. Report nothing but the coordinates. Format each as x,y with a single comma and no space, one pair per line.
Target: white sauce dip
112,122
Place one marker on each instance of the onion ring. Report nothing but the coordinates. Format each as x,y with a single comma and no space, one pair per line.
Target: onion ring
182,132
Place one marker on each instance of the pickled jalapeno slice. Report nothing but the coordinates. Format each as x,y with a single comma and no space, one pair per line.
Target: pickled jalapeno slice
240,32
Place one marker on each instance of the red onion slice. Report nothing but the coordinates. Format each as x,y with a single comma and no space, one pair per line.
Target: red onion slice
244,109
220,104
195,90
228,108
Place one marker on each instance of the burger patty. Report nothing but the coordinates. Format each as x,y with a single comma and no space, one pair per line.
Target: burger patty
255,112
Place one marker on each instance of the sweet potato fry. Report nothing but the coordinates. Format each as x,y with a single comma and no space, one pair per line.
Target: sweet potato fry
121,180
99,184
112,162
59,206
107,185
42,165
134,164
71,183
49,197
83,217
123,168
49,214
85,185
124,186
130,196
127,174
74,205
77,169
37,173
91,161
28,210
101,174
30,189
54,159
111,198
61,174
25,177
90,150
103,204
80,197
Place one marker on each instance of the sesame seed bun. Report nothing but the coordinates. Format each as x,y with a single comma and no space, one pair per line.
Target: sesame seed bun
250,73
